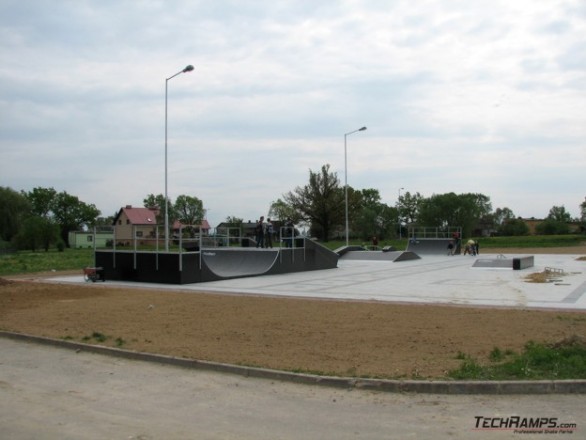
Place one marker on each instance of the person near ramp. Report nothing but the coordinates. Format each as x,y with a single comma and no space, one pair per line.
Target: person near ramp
259,232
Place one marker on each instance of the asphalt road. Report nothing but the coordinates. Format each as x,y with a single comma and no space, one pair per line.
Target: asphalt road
53,393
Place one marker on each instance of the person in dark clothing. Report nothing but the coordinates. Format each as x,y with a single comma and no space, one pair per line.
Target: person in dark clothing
259,232
269,234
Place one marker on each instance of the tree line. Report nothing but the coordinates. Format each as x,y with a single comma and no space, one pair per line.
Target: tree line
321,204
43,217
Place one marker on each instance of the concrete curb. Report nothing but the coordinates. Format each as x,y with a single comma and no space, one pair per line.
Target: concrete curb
393,386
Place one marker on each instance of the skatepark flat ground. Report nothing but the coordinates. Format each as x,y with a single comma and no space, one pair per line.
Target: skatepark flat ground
435,279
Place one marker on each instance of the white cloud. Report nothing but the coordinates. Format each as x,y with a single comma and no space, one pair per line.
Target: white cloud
457,96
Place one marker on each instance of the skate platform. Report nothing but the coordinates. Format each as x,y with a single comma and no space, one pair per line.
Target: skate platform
212,264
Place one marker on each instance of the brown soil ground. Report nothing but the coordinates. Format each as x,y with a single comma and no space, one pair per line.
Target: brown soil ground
321,336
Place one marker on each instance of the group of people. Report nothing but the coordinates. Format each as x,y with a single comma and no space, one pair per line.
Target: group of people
264,233
470,248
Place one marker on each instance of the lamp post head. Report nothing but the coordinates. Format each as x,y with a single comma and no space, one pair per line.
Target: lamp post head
189,68
362,129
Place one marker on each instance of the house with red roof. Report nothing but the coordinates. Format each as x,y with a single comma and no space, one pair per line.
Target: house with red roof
140,221
143,221
204,227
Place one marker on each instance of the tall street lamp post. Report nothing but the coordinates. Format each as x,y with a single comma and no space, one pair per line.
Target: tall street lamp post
399,212
346,177
188,68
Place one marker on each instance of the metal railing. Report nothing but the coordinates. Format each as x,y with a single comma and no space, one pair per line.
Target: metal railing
188,242
423,232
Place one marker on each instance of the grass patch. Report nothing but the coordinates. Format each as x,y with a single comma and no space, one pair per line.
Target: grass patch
101,338
53,260
563,360
95,336
119,342
532,241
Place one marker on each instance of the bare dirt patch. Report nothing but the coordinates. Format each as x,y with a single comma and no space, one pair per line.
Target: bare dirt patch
332,337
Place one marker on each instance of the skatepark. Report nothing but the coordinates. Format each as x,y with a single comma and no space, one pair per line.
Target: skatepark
429,276
93,396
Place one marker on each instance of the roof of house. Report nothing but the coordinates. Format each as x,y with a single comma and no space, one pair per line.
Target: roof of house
204,224
138,216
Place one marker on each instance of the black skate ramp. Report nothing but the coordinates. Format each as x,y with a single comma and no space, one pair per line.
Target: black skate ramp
429,246
394,256
515,263
213,264
234,263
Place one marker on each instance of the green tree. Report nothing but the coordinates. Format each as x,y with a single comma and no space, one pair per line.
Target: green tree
373,218
408,206
42,201
281,210
63,209
514,227
189,211
583,216
234,221
452,210
157,202
320,202
552,227
389,218
72,214
502,215
37,232
559,214
14,207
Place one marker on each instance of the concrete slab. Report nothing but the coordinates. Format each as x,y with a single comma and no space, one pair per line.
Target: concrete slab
432,279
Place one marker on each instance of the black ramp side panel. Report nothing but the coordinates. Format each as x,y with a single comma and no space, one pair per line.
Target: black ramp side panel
380,256
429,246
239,263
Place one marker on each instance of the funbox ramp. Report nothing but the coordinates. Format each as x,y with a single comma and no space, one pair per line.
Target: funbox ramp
235,263
515,263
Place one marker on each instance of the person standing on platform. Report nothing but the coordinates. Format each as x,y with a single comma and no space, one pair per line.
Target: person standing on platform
269,234
260,232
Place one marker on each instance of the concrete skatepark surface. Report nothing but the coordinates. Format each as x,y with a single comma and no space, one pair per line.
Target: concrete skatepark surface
435,279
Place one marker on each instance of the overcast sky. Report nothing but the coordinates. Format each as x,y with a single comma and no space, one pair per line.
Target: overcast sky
458,96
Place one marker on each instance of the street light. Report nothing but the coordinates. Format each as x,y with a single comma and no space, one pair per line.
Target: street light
188,68
399,212
346,177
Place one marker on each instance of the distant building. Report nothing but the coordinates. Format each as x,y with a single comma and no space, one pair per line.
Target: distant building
87,239
204,227
246,229
133,222
142,222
